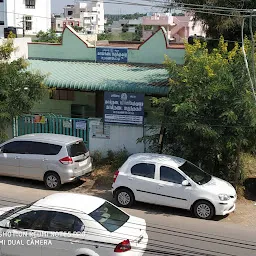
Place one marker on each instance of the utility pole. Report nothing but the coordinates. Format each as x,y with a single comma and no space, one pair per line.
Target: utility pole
23,25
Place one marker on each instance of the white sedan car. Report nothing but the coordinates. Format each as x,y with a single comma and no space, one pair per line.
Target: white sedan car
172,181
70,224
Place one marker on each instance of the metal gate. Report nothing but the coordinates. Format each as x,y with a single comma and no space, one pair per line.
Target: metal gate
50,123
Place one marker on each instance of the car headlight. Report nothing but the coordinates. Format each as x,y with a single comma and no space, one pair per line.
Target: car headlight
224,197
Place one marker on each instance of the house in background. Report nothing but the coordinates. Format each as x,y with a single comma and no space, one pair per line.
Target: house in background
123,25
30,15
99,93
178,28
88,15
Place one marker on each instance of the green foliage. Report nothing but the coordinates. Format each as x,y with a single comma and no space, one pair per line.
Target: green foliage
48,37
105,36
97,158
125,28
210,113
19,88
117,158
114,158
78,29
127,36
217,25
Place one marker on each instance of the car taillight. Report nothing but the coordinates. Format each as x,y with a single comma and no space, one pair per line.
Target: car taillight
123,247
66,160
115,175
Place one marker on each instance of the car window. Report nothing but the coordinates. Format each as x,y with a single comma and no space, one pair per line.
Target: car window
195,173
40,148
16,147
110,217
64,222
170,175
77,149
14,210
144,170
30,220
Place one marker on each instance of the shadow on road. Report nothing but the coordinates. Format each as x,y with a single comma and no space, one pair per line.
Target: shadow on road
37,184
150,208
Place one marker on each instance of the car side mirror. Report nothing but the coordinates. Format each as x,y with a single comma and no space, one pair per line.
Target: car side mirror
185,183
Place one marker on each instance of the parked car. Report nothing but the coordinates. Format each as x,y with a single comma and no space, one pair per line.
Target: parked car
172,181
71,224
53,158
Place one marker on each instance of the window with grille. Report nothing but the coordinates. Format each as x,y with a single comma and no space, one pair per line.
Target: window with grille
30,4
28,22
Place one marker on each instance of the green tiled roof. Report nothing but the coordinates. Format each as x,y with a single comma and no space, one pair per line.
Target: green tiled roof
103,77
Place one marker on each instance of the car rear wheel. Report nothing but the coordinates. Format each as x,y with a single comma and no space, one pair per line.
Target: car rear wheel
124,197
52,180
204,210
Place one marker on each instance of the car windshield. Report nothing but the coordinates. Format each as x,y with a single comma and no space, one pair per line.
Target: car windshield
110,217
195,173
13,211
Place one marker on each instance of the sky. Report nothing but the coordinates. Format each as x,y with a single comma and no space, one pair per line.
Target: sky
57,7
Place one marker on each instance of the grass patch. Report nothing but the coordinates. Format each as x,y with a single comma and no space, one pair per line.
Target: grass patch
104,167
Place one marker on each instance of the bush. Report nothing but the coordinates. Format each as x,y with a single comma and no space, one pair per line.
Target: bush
119,157
97,158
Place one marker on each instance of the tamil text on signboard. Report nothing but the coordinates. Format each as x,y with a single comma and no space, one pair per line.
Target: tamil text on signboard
125,108
111,54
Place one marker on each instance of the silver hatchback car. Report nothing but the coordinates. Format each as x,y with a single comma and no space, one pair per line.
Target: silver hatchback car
53,158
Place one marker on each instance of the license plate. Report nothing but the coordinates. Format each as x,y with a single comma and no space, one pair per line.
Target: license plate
83,163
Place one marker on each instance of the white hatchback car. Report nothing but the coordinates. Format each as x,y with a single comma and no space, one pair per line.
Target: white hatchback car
172,181
71,224
53,158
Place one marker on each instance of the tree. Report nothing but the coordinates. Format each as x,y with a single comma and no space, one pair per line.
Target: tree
210,113
125,28
49,37
217,25
78,29
138,33
19,88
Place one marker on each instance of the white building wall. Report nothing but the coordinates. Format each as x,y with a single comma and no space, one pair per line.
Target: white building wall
16,9
117,140
92,14
196,29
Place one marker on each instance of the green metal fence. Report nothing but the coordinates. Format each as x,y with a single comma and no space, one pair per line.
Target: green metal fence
50,123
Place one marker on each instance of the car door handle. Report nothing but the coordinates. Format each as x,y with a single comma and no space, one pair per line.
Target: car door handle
44,160
17,157
75,241
130,178
161,185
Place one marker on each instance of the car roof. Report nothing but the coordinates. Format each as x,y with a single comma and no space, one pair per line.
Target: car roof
157,158
70,202
48,137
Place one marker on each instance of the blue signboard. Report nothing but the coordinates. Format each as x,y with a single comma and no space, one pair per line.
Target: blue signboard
119,55
125,108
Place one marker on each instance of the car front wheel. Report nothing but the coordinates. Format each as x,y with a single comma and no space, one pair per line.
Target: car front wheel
204,210
124,197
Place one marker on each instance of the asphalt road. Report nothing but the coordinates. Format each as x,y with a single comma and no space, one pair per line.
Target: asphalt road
171,232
